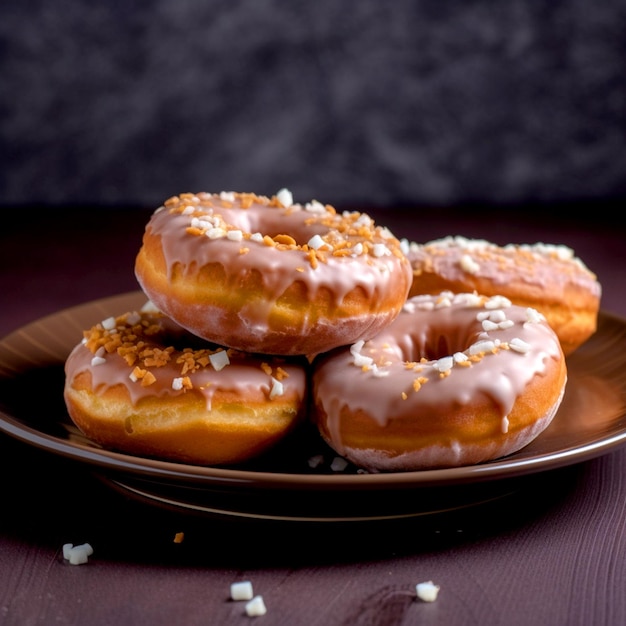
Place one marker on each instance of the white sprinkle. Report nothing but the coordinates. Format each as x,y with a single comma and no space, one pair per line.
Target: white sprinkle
506,324
444,302
219,360
216,233
316,242
277,388
315,207
427,591
356,347
108,323
256,607
489,325
149,307
380,373
315,461
460,357
518,345
258,237
338,464
469,299
133,318
177,384
229,196
98,358
497,315
188,210
285,197
77,555
359,359
241,591
444,364
469,265
362,220
201,224
423,306
66,550
133,377
234,235
498,302
380,250
482,346
533,316
357,250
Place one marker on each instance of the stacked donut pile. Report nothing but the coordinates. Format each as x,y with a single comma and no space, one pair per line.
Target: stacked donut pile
262,313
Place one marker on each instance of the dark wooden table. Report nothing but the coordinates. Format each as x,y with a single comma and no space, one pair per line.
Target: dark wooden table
553,554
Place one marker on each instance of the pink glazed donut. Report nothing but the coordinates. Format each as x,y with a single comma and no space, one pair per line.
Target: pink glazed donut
455,380
266,275
141,384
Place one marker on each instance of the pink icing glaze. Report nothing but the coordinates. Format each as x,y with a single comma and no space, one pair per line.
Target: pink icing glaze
245,375
537,265
433,335
229,228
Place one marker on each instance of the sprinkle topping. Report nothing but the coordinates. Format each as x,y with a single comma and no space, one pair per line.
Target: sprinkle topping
138,337
349,233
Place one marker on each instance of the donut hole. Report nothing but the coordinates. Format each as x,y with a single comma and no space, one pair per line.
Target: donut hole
436,344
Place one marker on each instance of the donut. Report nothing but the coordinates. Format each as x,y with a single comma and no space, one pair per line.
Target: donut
265,275
455,380
139,383
547,277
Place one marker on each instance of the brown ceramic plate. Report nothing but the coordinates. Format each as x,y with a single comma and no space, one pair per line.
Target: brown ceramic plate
282,485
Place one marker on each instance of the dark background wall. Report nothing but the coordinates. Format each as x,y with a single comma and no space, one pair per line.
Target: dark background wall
430,102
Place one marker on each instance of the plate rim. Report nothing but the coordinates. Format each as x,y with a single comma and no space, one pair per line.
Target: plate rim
119,462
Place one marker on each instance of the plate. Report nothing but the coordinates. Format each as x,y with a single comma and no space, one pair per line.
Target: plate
283,485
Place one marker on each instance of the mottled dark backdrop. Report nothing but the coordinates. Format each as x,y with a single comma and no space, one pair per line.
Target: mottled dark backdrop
380,103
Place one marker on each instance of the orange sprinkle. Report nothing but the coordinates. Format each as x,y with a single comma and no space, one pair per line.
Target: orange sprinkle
247,199
148,379
287,240
281,374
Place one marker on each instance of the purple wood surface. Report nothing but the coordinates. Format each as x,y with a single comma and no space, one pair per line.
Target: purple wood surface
553,553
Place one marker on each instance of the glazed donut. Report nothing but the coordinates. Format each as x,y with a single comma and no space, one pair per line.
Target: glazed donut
140,384
546,277
269,276
455,380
